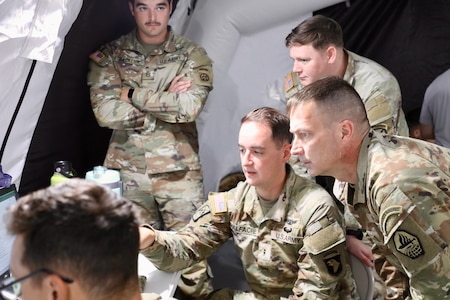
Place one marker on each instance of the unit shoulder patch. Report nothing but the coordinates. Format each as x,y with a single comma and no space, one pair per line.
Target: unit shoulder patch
408,244
333,263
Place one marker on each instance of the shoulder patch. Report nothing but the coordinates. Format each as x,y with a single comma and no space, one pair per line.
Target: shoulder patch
333,263
99,57
288,82
408,244
204,210
218,203
204,76
291,84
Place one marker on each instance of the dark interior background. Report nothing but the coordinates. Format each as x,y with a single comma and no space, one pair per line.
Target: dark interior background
409,37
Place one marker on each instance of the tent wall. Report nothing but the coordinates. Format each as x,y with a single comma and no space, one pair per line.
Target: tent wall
31,41
246,41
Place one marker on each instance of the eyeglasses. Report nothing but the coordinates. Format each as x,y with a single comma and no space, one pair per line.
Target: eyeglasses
10,288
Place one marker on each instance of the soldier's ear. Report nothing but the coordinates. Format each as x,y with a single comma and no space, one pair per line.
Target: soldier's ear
131,6
331,53
287,152
345,130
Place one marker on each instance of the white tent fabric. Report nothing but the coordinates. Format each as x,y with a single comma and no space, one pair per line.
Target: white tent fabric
245,39
29,30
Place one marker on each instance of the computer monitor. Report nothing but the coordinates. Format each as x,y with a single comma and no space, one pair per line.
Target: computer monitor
8,196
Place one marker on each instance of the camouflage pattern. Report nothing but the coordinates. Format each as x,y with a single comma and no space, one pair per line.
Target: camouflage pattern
380,92
297,249
156,133
167,201
402,200
154,142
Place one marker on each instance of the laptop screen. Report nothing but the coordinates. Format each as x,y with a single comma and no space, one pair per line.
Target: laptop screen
8,196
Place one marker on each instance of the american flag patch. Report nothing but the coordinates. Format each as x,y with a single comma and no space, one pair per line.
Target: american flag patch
97,56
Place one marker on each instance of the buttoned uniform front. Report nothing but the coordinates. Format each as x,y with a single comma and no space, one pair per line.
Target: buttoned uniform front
402,199
297,248
154,142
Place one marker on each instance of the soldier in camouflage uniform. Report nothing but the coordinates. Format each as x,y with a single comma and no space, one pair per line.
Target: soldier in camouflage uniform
150,86
287,229
317,48
402,185
63,237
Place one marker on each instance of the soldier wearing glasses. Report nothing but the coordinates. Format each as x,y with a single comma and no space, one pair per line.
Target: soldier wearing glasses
73,241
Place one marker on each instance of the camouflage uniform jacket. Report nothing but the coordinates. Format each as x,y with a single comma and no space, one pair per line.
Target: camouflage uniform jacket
297,248
402,198
380,92
156,133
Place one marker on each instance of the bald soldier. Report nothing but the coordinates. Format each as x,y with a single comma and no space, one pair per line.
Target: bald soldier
401,186
287,229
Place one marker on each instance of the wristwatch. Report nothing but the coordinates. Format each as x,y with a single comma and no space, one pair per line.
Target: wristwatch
356,233
130,94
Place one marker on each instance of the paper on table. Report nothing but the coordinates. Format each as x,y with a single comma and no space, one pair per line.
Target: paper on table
159,282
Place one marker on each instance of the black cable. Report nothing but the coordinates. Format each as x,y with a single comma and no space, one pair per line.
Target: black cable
16,111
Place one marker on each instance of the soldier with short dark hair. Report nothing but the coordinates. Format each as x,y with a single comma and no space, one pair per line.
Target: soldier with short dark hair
76,240
150,86
399,187
287,229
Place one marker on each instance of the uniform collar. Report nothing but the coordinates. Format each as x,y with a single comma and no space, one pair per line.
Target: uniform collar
168,46
350,70
278,211
362,169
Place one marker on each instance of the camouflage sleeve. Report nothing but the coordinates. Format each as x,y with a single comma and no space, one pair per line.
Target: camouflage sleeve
105,86
411,236
384,112
350,220
180,107
324,272
200,238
